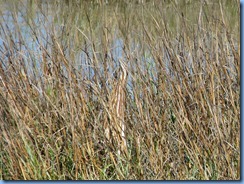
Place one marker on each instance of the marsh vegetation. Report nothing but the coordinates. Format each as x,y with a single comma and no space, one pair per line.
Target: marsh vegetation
59,65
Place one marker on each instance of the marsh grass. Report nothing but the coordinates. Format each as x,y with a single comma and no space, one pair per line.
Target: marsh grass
182,110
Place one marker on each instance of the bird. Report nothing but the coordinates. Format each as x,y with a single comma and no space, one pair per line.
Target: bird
116,127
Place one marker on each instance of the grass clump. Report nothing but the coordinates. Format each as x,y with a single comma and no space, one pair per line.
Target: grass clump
60,69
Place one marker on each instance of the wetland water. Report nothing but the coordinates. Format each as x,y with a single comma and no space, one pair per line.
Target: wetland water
88,31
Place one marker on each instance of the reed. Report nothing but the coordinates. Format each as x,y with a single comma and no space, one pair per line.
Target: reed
173,115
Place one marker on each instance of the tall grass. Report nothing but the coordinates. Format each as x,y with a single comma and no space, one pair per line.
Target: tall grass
182,99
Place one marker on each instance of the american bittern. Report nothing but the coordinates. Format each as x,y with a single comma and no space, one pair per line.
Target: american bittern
116,128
